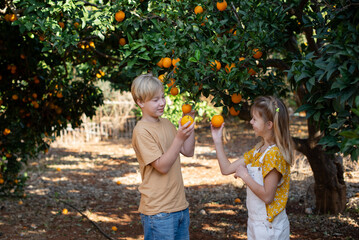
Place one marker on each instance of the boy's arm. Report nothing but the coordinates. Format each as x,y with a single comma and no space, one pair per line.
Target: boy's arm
225,165
164,163
188,145
266,192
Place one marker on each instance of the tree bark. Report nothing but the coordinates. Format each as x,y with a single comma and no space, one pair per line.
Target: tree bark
329,187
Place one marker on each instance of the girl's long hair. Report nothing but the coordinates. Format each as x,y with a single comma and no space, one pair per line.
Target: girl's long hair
273,109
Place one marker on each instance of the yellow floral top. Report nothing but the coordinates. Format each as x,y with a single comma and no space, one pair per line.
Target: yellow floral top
273,160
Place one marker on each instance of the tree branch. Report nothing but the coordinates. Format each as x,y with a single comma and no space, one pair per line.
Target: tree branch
93,223
277,63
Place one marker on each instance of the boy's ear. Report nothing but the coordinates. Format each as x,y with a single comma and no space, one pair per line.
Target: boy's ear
139,103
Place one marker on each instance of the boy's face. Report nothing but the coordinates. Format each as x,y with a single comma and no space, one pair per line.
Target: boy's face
152,109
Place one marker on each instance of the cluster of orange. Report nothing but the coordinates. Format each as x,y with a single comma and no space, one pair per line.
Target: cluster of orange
167,63
216,65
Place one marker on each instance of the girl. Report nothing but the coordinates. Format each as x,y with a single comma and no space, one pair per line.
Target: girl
265,169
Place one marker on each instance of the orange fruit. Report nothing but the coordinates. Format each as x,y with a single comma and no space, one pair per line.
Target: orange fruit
175,61
12,17
186,108
6,131
36,80
114,228
236,98
237,200
221,6
172,81
122,41
62,25
1,181
76,24
59,95
161,77
58,169
118,182
20,202
98,75
167,62
233,111
217,121
102,73
160,63
200,86
65,211
229,68
120,16
174,91
216,64
251,71
198,10
7,17
92,44
15,97
257,54
186,119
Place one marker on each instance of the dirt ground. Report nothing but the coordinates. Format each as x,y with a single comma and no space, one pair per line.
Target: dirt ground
97,184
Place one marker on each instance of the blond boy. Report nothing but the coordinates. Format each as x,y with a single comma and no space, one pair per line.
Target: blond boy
163,206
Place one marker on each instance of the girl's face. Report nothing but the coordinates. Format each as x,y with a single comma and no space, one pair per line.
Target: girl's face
152,109
258,124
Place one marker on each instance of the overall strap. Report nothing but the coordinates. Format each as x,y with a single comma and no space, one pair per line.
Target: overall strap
268,148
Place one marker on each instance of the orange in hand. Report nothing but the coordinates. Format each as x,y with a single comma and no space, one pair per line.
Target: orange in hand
186,119
186,108
217,121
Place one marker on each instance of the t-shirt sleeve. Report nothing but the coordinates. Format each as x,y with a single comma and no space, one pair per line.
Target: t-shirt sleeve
248,156
274,160
147,147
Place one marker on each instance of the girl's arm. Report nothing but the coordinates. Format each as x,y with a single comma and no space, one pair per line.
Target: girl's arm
225,165
266,192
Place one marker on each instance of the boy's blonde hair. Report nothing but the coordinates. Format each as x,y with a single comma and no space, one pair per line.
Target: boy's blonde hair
273,109
145,87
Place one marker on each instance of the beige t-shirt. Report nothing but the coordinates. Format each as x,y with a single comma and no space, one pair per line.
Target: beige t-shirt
159,192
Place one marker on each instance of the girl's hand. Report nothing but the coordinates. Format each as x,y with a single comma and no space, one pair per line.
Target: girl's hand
217,132
241,172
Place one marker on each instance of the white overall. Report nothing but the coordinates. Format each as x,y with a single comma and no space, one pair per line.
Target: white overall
259,228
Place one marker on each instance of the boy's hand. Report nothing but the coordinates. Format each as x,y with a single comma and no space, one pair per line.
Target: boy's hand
241,172
185,131
192,113
217,132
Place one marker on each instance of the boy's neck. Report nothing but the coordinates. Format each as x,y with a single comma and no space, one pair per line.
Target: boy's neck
149,119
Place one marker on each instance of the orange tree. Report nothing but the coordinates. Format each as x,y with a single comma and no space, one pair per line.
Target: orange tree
209,48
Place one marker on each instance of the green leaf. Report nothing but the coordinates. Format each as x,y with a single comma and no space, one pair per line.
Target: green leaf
197,54
192,59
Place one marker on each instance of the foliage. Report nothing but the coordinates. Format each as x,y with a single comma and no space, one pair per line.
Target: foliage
331,76
69,44
173,111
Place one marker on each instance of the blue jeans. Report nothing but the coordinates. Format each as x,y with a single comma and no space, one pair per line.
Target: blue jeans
166,226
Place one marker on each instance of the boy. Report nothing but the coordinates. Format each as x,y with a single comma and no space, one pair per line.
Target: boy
163,206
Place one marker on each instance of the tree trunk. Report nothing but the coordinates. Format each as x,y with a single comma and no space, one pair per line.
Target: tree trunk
329,187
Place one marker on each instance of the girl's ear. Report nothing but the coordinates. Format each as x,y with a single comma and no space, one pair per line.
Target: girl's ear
270,125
